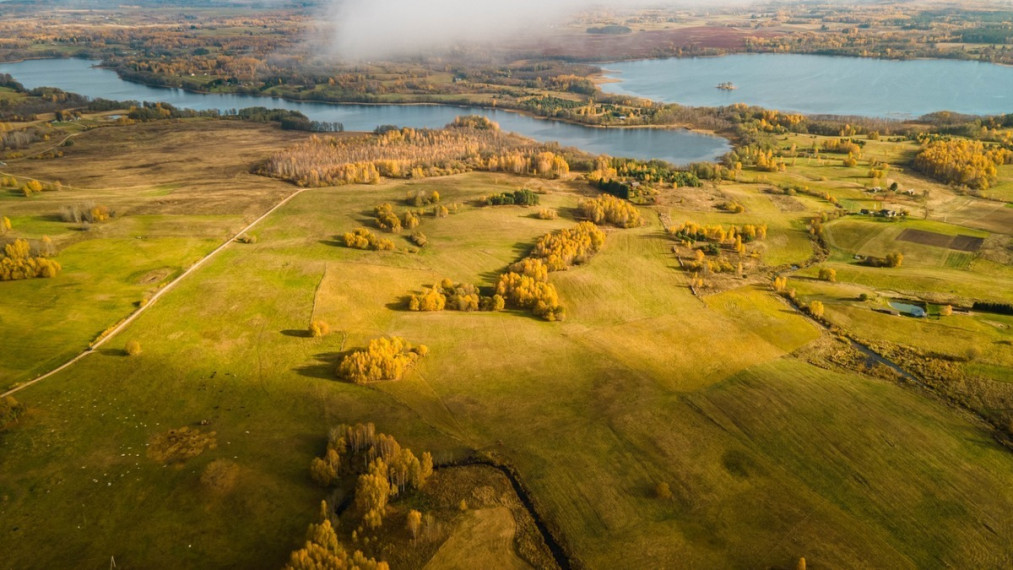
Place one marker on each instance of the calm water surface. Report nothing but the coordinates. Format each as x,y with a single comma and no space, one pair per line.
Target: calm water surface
822,84
79,76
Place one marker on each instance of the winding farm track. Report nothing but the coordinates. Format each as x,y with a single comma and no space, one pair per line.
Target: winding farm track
168,287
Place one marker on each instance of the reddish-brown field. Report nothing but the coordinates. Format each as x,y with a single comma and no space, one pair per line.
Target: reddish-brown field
958,242
649,43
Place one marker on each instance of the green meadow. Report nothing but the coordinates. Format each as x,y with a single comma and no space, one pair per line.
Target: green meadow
769,457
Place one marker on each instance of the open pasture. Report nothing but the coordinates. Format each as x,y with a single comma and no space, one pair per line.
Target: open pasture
648,383
167,214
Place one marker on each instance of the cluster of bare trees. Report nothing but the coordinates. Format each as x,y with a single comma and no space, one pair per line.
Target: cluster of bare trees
89,212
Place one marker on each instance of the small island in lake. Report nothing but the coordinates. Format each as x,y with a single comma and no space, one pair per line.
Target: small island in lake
727,86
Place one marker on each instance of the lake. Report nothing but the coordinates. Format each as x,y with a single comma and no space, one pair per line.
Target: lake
815,84
677,146
908,309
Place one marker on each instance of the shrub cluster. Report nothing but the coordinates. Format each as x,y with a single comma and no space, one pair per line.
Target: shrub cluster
18,262
894,259
362,238
572,246
386,219
608,209
10,411
420,198
384,359
178,445
523,197
454,296
718,233
526,286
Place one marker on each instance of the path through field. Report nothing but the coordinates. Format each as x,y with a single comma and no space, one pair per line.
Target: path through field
118,328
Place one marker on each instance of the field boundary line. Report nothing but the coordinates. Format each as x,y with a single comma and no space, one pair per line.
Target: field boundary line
140,310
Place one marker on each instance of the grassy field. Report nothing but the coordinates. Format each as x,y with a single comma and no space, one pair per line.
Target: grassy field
168,215
769,458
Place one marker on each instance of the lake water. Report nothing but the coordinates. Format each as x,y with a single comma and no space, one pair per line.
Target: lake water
816,84
908,309
678,146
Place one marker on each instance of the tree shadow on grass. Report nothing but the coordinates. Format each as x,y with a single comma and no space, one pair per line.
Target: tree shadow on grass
401,304
298,333
324,366
336,241
112,352
521,249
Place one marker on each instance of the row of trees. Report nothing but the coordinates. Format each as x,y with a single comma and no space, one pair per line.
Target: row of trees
19,263
608,209
86,212
893,259
522,197
454,296
384,359
963,162
720,234
362,238
412,153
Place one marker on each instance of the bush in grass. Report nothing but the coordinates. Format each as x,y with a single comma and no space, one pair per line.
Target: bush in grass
319,329
414,523
220,476
178,445
10,411
324,470
816,309
132,348
386,219
662,491
422,198
362,238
